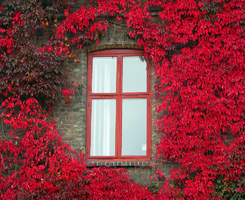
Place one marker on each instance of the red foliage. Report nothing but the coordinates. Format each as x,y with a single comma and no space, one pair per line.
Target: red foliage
32,68
39,165
68,92
197,47
198,51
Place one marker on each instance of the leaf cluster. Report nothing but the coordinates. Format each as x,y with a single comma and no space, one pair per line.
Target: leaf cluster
32,62
38,165
197,48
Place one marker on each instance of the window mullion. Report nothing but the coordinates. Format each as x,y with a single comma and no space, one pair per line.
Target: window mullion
119,111
119,127
119,74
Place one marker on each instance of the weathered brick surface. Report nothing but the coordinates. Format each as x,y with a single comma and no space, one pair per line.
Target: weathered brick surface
71,118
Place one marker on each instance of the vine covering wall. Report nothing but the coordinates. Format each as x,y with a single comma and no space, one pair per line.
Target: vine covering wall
197,48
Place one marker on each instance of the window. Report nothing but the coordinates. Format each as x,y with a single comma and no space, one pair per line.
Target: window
119,106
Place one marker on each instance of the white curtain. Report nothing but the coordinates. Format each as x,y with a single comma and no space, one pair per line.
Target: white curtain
104,74
103,125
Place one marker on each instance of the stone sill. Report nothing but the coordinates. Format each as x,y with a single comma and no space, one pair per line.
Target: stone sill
119,163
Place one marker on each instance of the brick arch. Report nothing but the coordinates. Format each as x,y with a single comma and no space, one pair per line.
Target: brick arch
113,46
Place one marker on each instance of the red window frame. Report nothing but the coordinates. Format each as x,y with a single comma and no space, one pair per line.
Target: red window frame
119,95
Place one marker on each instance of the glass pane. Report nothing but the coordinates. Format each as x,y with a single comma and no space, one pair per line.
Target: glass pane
104,74
134,116
103,124
134,74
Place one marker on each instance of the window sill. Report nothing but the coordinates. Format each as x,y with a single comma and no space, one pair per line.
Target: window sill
119,163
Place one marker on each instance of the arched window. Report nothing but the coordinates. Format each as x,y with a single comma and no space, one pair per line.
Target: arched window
118,106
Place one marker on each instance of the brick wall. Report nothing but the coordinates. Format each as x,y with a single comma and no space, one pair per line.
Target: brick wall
71,118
